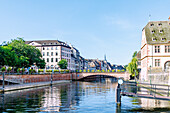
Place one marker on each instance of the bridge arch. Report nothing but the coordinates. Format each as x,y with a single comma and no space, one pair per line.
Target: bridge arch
122,75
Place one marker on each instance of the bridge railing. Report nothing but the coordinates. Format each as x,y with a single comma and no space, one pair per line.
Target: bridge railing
99,71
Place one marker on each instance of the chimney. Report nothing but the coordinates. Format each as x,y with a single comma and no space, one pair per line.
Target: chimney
169,18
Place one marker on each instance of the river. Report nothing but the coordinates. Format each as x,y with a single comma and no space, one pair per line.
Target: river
95,96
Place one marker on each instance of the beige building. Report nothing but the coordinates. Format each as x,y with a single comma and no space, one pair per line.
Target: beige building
53,51
155,48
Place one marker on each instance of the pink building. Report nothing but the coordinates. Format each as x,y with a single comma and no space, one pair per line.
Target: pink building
155,48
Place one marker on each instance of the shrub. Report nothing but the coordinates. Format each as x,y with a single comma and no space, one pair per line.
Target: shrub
49,70
118,70
23,70
113,70
62,71
123,70
108,70
18,70
30,71
88,70
33,70
77,70
103,70
9,69
56,70
67,71
84,70
98,71
40,70
92,70
3,69
80,70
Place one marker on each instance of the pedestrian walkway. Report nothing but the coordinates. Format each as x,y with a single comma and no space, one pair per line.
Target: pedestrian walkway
31,85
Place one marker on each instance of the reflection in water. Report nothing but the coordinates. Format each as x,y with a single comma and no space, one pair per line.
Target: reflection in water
51,100
98,95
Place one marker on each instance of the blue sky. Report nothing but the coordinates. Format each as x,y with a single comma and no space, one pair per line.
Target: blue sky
95,27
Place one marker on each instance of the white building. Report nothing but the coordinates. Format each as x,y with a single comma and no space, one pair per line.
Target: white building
155,48
52,52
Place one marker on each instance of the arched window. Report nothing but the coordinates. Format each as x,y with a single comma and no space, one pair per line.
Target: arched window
167,66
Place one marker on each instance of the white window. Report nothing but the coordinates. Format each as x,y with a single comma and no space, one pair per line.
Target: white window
161,31
151,24
163,39
159,24
154,39
153,31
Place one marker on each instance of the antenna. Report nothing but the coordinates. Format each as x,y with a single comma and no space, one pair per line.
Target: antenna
149,17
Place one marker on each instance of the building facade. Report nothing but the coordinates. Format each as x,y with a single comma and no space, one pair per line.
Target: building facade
52,52
155,48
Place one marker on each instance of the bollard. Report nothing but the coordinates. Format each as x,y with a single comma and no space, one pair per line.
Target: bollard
3,86
118,95
51,78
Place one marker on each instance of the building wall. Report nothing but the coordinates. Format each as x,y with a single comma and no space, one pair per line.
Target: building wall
148,57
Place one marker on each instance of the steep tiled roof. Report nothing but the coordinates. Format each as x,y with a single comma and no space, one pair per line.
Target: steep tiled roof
157,32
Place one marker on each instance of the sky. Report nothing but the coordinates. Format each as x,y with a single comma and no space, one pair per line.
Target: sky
94,27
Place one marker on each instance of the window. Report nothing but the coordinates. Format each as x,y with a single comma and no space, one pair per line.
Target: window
152,25
47,53
51,43
157,49
157,62
163,39
167,49
56,59
51,59
43,53
154,39
51,48
47,59
56,53
51,53
153,31
44,43
161,31
47,48
43,48
159,24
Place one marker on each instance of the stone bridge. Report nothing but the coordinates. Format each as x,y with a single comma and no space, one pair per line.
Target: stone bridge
123,75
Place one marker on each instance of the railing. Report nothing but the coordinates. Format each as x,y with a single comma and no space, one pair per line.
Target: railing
156,91
64,71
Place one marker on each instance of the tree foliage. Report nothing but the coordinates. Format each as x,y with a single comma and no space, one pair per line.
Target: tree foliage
63,64
18,54
132,66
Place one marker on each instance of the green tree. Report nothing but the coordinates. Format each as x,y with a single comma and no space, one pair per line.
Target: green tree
63,64
27,54
132,66
8,56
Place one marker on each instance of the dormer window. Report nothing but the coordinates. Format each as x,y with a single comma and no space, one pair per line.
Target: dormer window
51,43
151,24
153,31
159,24
32,43
163,39
161,31
154,39
44,44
